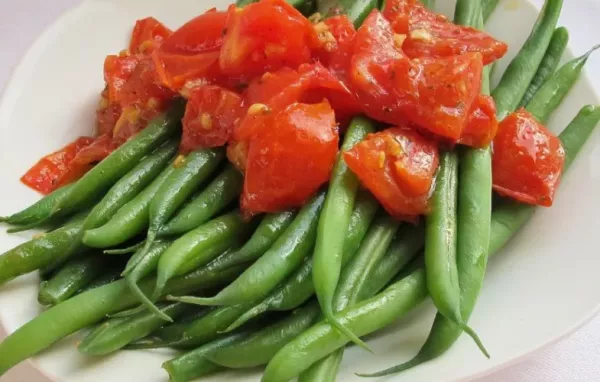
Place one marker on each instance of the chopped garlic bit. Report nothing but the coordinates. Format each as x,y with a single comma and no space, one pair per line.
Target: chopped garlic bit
258,109
179,161
381,159
421,34
399,39
206,121
190,85
325,37
315,18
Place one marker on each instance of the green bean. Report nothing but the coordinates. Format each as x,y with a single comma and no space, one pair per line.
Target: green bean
558,44
298,288
194,365
258,348
130,220
124,251
487,8
268,231
39,252
131,185
142,268
467,12
199,247
430,4
507,219
355,275
38,211
121,161
182,183
522,69
363,318
76,274
90,307
440,245
551,94
131,329
223,190
333,225
275,265
113,274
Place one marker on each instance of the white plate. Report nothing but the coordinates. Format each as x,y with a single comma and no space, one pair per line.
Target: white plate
542,286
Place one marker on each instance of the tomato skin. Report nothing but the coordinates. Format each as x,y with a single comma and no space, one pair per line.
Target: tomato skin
431,35
397,165
527,161
482,124
210,117
336,57
191,53
291,159
147,35
117,70
265,36
435,94
45,175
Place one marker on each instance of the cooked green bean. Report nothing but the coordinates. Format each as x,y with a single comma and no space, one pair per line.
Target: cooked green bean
38,211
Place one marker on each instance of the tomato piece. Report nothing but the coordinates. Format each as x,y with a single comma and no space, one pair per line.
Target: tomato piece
309,84
265,36
117,70
397,165
45,174
143,88
435,94
210,117
336,56
431,35
482,124
147,35
191,53
107,114
291,159
527,161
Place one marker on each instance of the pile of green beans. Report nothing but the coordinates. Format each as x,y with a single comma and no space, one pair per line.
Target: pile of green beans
151,251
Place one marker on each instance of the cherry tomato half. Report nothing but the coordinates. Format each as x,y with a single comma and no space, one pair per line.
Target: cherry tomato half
147,35
428,34
291,159
528,160
45,175
397,165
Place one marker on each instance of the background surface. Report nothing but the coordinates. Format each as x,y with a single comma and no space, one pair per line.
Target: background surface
575,359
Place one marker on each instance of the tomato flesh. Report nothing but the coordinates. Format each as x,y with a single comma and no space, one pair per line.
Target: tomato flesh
147,35
482,125
265,36
210,117
527,161
191,53
290,159
435,94
397,165
45,175
335,54
428,34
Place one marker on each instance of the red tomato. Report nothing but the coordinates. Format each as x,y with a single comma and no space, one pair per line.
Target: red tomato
147,35
107,115
336,54
191,53
291,159
431,35
435,94
482,125
117,70
528,160
143,88
265,36
309,84
44,176
210,116
397,165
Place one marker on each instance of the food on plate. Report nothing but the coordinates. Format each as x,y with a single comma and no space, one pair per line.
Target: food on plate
267,183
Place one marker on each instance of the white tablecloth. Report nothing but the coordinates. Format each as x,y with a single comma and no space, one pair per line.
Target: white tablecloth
575,359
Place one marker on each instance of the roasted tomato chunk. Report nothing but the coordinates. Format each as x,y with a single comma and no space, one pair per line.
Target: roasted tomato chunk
338,34
147,35
191,54
210,117
45,175
265,36
482,124
528,160
427,34
435,94
397,165
291,158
